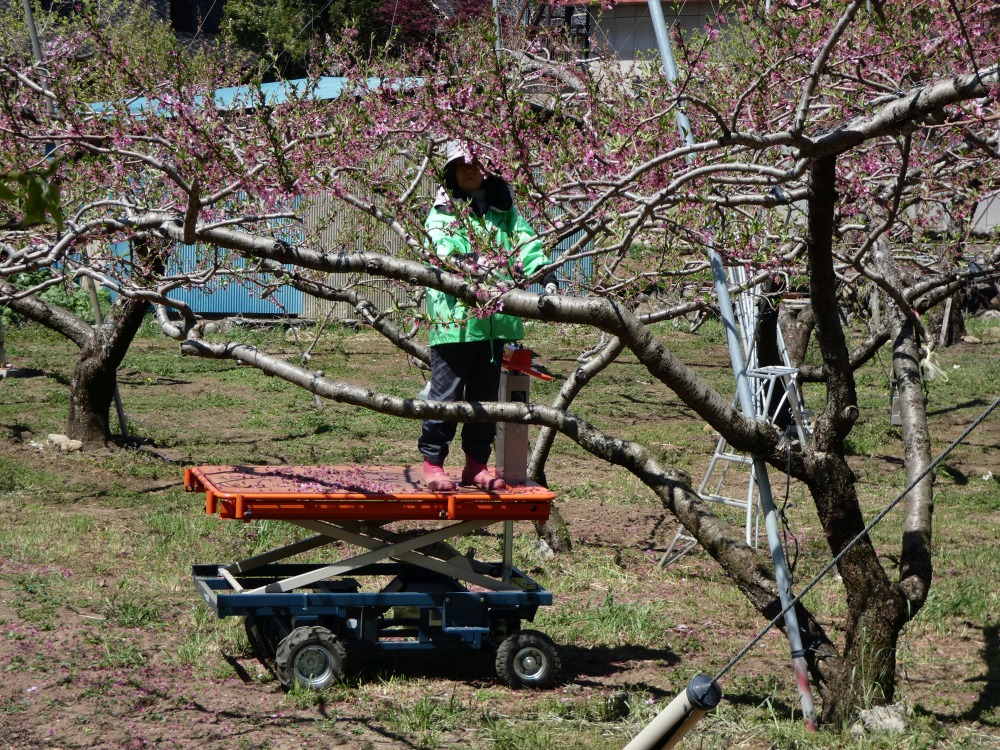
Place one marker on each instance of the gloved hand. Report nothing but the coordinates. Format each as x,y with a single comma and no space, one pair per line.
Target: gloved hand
551,283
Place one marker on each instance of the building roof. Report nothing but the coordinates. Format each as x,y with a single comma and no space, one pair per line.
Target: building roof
249,97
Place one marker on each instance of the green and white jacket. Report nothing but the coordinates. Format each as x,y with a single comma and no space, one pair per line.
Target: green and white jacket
451,319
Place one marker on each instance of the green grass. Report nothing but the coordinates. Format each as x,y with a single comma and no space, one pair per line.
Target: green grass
130,606
107,540
616,623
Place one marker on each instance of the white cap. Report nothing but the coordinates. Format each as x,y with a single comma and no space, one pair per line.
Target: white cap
455,151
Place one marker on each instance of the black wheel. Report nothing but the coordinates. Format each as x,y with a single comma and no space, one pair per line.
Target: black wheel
528,659
312,657
265,632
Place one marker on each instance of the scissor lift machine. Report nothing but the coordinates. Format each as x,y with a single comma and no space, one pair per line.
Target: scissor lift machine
408,589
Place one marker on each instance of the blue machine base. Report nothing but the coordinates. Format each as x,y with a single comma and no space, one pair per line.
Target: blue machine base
417,609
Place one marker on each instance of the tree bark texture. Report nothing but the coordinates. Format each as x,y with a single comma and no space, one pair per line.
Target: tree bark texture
915,556
875,607
54,318
796,329
769,354
555,532
92,387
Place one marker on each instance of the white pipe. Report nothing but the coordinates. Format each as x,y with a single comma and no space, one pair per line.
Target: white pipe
681,714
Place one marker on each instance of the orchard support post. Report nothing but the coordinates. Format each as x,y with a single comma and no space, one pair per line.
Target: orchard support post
781,575
3,351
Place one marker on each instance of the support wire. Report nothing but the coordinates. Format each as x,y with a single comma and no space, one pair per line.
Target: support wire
874,522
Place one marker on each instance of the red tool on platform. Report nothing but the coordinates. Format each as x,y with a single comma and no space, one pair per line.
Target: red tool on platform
520,359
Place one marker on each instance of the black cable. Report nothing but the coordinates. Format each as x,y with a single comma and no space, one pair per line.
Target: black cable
789,534
850,545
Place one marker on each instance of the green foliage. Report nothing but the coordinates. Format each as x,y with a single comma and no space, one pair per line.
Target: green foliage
618,622
149,44
962,599
31,198
508,735
115,652
130,607
19,476
39,597
129,463
283,32
9,480
425,719
67,295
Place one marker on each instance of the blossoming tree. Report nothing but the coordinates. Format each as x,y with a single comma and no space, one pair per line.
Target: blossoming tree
831,145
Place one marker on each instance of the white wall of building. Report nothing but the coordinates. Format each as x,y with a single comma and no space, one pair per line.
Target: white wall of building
987,216
626,29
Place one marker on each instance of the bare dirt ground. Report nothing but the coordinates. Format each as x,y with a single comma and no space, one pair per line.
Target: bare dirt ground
86,682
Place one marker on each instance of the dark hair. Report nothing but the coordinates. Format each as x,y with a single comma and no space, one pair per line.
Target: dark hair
451,181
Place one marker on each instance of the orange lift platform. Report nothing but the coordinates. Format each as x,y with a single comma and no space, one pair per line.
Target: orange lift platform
421,592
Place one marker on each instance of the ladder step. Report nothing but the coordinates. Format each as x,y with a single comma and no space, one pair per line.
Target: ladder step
731,501
772,371
735,458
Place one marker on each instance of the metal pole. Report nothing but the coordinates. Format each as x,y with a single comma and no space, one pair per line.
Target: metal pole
29,19
36,50
3,351
508,551
669,67
781,576
496,23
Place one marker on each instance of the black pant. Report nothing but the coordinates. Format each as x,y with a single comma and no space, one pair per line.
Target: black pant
466,371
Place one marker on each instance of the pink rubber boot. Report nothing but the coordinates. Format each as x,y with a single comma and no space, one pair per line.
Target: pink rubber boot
479,475
436,479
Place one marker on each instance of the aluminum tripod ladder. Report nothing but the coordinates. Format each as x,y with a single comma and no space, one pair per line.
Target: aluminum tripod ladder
776,395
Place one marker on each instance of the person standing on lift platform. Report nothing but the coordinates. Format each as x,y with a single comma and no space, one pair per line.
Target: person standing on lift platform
466,349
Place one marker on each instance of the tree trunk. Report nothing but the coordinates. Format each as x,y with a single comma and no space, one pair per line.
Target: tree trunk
796,330
876,609
769,355
92,387
555,532
945,324
91,392
915,556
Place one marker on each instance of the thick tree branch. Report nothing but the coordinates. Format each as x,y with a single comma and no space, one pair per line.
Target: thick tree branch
903,114
915,557
55,318
607,315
